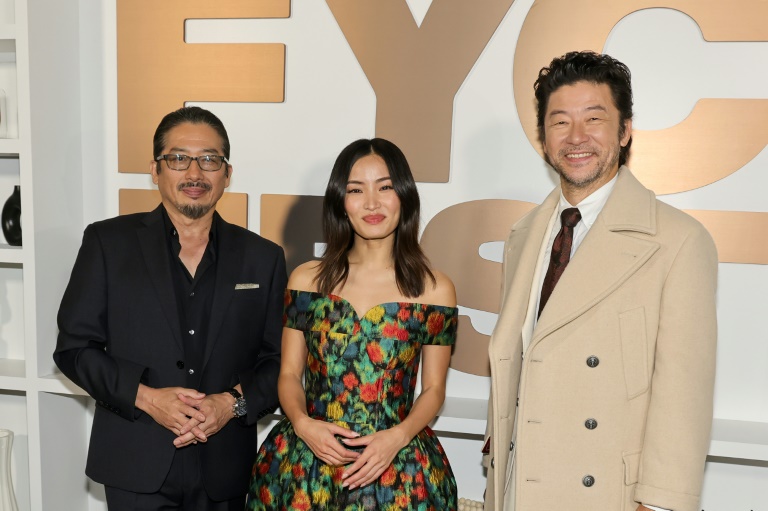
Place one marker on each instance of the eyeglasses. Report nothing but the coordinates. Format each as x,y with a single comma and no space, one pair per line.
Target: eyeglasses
206,162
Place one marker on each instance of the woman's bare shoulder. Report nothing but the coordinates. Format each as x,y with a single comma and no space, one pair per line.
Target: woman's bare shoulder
441,292
303,277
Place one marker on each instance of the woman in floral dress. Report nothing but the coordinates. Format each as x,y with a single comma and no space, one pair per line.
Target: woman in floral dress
357,324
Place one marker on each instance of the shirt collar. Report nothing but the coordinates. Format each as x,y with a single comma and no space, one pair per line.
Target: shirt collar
592,205
173,236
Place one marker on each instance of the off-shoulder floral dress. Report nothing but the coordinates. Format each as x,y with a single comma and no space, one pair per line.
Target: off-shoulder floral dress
361,374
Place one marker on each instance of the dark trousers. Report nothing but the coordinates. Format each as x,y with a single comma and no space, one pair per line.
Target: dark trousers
182,490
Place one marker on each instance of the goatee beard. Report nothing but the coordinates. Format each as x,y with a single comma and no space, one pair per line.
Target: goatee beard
194,211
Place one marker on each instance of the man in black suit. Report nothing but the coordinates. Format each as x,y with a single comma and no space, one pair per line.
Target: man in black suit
172,322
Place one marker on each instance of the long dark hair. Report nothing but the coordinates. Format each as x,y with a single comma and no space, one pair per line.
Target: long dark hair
592,67
411,265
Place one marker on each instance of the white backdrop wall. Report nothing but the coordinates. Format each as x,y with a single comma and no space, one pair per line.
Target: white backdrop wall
289,148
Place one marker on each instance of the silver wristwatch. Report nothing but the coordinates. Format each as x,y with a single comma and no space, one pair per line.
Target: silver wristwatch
238,409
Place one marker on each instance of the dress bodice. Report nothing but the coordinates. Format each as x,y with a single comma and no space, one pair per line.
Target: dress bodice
361,370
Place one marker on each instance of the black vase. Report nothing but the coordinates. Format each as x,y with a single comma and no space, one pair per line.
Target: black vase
11,218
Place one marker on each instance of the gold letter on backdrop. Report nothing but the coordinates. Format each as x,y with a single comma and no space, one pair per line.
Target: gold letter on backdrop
295,223
719,136
416,71
477,280
158,72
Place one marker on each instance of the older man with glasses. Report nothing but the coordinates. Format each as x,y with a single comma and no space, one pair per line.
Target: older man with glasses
172,321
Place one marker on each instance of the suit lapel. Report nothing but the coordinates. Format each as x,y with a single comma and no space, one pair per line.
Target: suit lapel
154,249
228,266
610,253
525,240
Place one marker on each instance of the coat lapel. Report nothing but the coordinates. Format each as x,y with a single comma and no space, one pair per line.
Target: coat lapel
611,252
228,266
525,239
154,249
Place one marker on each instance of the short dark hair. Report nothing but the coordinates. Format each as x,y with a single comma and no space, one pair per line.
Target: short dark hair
411,265
193,115
587,66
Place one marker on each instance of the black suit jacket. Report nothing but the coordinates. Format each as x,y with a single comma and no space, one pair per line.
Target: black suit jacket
119,326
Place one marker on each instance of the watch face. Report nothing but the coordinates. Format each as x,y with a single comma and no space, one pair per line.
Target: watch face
239,408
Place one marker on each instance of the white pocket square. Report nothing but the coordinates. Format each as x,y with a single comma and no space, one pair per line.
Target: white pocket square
246,286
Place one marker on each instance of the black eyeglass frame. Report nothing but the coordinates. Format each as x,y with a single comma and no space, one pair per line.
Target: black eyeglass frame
189,160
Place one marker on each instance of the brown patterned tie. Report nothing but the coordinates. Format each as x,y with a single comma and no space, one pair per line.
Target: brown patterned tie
561,253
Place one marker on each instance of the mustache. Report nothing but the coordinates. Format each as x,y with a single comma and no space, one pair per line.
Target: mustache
194,184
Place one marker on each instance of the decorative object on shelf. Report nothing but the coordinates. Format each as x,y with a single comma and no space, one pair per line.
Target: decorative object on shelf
11,218
470,505
7,497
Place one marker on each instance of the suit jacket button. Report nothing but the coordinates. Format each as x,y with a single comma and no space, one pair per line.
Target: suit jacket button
590,423
588,481
593,361
180,364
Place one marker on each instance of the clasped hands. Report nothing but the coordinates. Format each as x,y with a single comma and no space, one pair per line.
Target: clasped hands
191,415
380,448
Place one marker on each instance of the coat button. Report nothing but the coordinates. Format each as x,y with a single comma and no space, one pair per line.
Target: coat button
593,361
180,364
511,446
590,423
588,481
191,371
493,462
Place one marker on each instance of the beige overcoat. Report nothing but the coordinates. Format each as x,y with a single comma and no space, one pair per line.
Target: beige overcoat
615,390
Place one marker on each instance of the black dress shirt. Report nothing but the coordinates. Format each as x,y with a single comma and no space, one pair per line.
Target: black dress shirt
194,297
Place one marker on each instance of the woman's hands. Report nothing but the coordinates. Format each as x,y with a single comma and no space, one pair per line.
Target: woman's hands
380,449
320,436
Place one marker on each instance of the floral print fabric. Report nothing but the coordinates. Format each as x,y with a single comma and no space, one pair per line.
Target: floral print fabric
361,374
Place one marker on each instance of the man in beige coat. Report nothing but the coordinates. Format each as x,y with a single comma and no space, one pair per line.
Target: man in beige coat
601,394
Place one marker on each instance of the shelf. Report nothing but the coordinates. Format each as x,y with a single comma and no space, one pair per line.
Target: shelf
464,416
10,254
9,146
739,439
57,383
464,408
7,47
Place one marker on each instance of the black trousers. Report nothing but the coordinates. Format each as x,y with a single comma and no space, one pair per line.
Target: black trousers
182,490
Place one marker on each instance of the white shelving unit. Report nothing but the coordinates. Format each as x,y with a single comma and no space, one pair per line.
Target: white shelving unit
39,72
